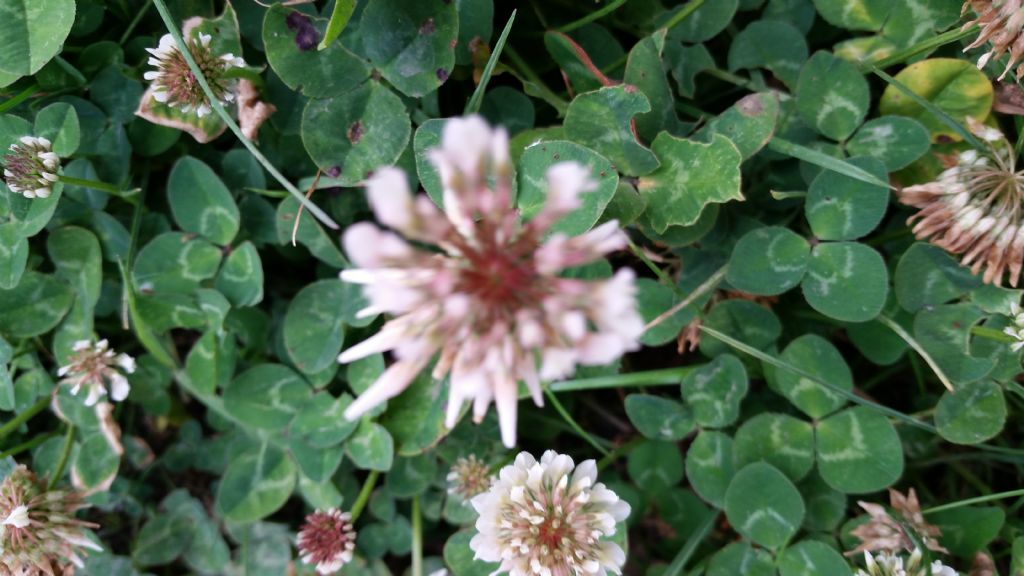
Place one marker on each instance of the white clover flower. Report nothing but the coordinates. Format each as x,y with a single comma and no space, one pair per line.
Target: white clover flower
327,540
30,167
549,518
1017,330
890,564
480,290
174,84
39,533
99,369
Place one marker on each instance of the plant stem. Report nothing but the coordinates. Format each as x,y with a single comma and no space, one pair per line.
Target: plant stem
172,29
27,445
895,327
683,14
129,195
662,276
596,14
364,495
993,334
573,424
135,22
25,416
679,562
417,537
18,98
69,441
977,500
731,78
662,377
707,286
618,452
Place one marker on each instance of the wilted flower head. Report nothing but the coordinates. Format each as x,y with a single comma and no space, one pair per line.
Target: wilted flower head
888,564
1002,23
327,540
485,297
99,369
469,477
544,518
39,533
883,532
173,82
1016,330
30,167
975,208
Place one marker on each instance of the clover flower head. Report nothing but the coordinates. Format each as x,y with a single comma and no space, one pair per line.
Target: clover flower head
1002,24
39,533
99,369
549,518
883,532
173,82
481,290
1016,330
30,167
976,208
327,540
469,476
891,564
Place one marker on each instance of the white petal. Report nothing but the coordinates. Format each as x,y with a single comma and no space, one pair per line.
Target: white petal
119,387
390,384
506,400
17,518
389,196
126,362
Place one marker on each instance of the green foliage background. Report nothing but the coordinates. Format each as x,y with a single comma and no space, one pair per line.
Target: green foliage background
744,144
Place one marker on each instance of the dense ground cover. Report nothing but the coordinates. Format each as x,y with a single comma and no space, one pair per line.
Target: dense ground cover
658,287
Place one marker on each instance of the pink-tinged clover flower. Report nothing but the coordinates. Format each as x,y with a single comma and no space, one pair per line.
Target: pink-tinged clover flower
1001,23
549,518
974,208
479,289
327,540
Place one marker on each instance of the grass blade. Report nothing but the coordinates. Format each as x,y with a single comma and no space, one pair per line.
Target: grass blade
679,562
926,45
343,10
175,33
778,363
478,95
824,160
917,348
938,112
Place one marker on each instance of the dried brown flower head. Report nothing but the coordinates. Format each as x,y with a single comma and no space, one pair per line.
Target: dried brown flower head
974,208
39,533
886,533
1002,24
